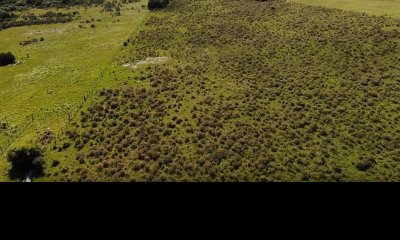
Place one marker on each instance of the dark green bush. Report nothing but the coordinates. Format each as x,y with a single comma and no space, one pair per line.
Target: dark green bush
5,15
25,160
6,59
154,4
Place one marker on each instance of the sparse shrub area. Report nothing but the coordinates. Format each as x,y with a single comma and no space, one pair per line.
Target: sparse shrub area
31,41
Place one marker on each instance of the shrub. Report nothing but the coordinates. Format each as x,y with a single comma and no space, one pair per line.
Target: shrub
27,42
365,163
55,163
6,59
25,161
80,157
5,15
66,145
154,4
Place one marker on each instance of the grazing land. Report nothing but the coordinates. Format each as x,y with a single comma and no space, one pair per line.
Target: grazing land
211,90
389,8
56,75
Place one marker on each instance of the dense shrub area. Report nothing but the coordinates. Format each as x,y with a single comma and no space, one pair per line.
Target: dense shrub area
9,16
31,19
18,4
5,15
269,91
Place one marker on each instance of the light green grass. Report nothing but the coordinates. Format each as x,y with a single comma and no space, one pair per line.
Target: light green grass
67,63
389,8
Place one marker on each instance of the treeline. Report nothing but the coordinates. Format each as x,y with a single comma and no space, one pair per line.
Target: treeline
114,6
31,19
10,18
13,5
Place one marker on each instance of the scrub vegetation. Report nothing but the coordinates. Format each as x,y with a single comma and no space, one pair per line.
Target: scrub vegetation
238,90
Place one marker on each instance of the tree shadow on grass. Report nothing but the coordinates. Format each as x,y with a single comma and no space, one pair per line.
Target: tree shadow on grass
26,162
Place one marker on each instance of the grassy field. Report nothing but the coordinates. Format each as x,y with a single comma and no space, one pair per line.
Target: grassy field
59,72
251,91
389,8
212,90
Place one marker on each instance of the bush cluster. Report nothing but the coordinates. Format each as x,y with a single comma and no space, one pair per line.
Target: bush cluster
256,92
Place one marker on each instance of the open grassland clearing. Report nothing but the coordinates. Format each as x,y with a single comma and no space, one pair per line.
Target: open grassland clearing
388,8
57,74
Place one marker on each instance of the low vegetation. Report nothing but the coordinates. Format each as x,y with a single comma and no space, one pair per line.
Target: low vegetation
31,41
231,105
239,90
388,8
44,90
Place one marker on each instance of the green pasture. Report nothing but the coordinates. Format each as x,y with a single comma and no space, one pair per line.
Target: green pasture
56,75
389,8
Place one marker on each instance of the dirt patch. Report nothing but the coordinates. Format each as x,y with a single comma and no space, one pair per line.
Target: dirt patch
54,30
149,60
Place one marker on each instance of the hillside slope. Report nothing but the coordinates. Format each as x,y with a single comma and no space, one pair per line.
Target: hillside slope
252,91
389,8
